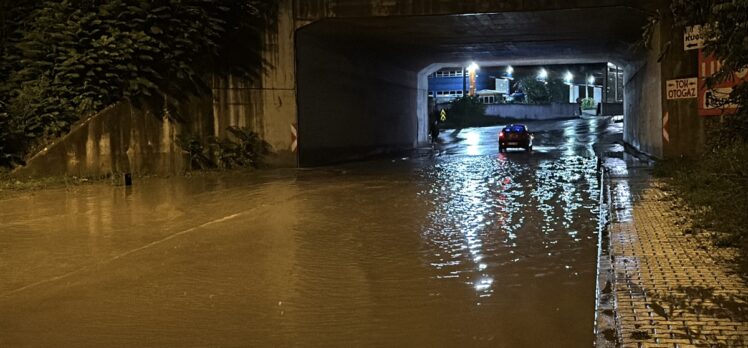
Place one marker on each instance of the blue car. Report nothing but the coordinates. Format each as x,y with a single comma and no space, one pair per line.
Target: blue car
517,96
515,136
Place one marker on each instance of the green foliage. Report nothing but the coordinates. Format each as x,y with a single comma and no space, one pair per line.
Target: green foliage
536,92
246,151
558,90
716,185
465,110
61,60
195,150
243,149
588,103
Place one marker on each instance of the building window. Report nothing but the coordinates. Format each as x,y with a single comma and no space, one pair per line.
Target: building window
448,73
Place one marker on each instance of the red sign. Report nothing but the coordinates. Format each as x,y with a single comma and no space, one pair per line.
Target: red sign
712,100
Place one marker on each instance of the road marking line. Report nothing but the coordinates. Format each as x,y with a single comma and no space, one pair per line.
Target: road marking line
117,257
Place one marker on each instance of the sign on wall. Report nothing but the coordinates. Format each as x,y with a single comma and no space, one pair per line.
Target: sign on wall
682,88
712,101
693,38
502,86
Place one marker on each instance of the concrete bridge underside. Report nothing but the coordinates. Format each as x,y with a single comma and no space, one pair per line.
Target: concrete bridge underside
362,82
348,78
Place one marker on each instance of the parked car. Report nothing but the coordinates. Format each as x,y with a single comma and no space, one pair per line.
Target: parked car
515,136
516,97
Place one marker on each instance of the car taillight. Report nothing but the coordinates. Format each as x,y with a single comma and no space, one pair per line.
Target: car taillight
501,135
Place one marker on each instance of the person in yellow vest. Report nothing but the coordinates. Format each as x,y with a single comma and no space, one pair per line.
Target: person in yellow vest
434,125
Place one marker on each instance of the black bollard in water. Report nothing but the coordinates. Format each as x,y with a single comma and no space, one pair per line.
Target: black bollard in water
128,179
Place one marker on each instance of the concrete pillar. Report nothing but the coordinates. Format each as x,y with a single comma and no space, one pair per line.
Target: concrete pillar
685,127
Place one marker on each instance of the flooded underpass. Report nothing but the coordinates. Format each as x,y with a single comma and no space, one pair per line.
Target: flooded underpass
456,245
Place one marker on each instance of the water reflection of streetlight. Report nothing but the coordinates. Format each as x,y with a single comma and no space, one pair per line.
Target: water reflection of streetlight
472,140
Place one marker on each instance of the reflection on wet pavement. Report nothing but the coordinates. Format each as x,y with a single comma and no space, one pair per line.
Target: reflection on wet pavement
460,245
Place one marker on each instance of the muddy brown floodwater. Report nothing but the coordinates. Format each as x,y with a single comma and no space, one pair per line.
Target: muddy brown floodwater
457,246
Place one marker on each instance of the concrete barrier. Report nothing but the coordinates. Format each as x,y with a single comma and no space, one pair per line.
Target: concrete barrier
119,139
611,109
533,111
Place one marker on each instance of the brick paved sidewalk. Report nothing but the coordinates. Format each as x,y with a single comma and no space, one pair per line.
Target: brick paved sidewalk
671,289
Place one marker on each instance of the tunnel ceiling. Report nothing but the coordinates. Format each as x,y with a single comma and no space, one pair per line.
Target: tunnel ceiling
540,37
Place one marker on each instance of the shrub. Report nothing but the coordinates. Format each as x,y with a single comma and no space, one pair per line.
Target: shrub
716,186
242,149
558,90
535,91
464,111
197,153
246,151
588,103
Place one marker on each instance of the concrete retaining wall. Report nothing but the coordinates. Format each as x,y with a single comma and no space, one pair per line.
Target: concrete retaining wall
642,124
533,112
119,139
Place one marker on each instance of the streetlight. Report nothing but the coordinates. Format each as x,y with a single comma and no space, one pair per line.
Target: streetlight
471,69
590,81
568,78
509,70
542,74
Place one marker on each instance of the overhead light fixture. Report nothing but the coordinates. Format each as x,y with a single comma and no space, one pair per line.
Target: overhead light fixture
568,78
543,74
591,80
509,70
472,67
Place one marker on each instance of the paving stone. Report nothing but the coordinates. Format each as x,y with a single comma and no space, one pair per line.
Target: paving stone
671,289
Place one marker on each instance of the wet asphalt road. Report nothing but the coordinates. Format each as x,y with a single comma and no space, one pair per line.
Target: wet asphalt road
453,246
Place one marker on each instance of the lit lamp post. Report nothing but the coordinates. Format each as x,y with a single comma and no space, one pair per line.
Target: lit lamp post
569,80
543,75
590,81
472,68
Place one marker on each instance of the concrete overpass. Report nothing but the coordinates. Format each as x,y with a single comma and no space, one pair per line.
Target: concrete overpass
347,78
351,74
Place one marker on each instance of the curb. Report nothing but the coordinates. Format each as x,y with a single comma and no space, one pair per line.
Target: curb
605,326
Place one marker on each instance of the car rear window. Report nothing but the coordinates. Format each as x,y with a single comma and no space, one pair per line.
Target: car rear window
514,129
